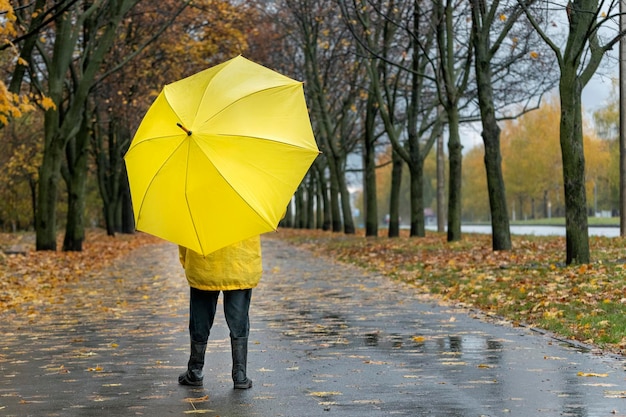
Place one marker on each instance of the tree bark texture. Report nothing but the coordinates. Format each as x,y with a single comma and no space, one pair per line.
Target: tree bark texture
369,167
394,195
455,155
572,153
501,234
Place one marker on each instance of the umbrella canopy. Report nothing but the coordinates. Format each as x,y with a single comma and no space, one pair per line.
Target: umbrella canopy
219,155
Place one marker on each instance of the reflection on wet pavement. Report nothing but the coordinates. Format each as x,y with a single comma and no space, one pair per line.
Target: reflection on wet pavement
326,339
381,346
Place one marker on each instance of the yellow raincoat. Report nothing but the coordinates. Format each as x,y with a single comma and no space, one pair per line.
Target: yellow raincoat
235,267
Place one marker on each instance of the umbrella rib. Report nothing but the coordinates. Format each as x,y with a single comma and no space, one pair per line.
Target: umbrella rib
155,175
276,178
299,147
232,103
152,139
191,216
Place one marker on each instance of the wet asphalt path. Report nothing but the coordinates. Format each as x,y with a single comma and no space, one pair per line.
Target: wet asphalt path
327,339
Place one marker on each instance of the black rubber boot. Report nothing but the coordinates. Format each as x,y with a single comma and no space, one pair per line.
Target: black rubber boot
239,347
194,375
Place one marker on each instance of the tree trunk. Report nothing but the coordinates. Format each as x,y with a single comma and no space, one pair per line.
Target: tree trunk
76,177
394,196
416,161
32,184
111,173
369,167
572,153
346,205
299,220
310,198
49,173
54,139
418,227
501,234
319,211
455,152
622,122
500,230
334,200
441,186
323,208
127,221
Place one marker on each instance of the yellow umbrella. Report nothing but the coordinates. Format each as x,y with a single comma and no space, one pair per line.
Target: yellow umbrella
219,155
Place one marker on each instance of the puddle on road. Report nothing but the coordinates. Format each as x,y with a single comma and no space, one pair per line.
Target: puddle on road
411,354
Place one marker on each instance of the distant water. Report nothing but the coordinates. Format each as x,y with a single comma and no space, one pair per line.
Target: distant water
606,231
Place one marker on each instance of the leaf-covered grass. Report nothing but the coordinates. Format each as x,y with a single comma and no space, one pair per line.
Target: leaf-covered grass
528,285
30,277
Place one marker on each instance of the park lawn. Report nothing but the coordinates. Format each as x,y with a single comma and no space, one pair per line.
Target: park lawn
529,285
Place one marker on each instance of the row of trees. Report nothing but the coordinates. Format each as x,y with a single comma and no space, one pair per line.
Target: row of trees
532,167
377,74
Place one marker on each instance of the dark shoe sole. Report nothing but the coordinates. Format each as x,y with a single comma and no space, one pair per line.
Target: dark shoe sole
185,380
244,384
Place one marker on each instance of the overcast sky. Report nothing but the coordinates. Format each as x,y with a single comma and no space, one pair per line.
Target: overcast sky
595,95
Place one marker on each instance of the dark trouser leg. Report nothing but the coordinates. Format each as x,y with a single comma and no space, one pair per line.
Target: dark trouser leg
236,307
202,306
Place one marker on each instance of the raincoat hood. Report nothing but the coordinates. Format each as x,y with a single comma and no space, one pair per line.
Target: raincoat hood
235,267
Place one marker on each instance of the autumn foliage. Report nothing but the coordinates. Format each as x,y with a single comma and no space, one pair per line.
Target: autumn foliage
31,278
532,168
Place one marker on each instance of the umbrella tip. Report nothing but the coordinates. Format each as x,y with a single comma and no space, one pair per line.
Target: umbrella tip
184,128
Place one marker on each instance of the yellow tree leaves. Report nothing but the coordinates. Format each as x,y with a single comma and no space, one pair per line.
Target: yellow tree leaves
475,198
11,105
532,167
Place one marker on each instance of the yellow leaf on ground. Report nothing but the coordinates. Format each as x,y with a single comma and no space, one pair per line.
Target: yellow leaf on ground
592,374
324,393
197,400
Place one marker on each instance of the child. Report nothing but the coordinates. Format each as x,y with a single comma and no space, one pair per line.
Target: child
233,270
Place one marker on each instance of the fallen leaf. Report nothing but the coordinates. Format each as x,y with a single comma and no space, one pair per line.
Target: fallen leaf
324,393
197,400
592,374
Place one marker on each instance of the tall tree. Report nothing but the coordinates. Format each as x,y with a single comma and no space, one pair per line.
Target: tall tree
68,69
332,85
482,19
453,66
502,41
369,168
578,60
392,38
